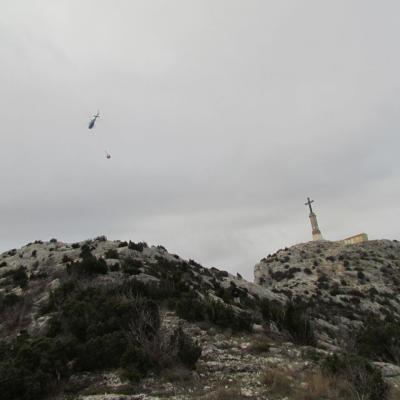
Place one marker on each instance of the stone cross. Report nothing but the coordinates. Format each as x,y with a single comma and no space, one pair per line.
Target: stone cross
316,233
309,201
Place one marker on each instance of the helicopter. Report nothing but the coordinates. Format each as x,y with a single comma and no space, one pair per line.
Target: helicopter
93,120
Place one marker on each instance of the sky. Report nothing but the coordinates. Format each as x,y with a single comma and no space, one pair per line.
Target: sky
221,117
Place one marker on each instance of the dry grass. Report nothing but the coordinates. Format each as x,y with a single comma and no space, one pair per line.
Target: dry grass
260,345
177,374
312,386
319,386
394,393
223,393
278,379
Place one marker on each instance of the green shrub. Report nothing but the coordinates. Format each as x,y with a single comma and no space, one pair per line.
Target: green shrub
366,380
102,351
89,266
130,374
101,328
137,246
9,300
20,277
307,271
225,316
272,310
297,322
115,267
86,250
188,351
292,318
66,259
111,254
101,238
30,366
360,275
379,340
131,266
193,309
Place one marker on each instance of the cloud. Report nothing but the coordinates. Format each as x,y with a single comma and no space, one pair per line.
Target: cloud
221,118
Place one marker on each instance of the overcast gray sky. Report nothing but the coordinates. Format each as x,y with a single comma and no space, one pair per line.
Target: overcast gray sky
221,117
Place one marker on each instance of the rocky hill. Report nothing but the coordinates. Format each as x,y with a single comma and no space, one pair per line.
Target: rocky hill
341,286
106,319
34,271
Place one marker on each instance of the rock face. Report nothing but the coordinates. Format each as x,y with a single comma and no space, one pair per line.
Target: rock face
342,285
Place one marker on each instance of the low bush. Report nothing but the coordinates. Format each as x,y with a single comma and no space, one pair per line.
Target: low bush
9,300
224,316
115,267
31,367
307,271
93,328
66,259
281,275
89,266
278,380
191,309
131,266
111,254
188,351
137,246
292,318
86,250
216,312
260,345
20,277
322,386
366,380
101,238
379,340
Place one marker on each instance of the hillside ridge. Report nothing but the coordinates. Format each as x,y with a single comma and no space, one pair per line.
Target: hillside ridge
78,320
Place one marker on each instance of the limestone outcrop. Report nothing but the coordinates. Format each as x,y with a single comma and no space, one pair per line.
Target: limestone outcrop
341,285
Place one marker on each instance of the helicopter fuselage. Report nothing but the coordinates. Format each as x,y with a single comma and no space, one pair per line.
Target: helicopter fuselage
92,122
